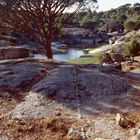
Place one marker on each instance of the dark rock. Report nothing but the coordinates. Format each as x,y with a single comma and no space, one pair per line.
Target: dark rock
58,84
123,122
107,59
117,57
13,53
111,67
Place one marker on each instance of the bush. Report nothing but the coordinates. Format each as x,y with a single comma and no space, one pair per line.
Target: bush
133,24
132,48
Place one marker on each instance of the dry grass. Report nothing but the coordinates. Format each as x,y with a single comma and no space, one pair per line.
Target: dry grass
44,129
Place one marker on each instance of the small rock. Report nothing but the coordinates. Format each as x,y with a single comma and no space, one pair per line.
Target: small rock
123,122
80,135
58,113
89,133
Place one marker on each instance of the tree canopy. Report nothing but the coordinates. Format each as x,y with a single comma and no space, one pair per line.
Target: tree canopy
38,18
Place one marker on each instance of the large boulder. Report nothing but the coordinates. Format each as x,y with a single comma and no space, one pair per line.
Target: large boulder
86,89
13,53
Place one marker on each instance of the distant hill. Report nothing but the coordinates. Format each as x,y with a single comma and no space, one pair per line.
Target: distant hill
108,21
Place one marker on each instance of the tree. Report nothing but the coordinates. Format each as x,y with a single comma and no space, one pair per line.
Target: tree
136,5
124,9
136,9
38,18
132,24
132,48
88,22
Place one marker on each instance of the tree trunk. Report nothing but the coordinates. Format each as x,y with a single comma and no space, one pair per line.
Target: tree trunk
49,38
48,50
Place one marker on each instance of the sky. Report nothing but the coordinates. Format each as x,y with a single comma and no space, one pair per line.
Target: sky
105,5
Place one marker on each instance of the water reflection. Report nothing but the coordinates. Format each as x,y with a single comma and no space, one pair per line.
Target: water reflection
72,53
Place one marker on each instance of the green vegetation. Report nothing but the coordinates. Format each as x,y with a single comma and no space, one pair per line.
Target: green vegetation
88,59
108,21
132,24
88,22
132,48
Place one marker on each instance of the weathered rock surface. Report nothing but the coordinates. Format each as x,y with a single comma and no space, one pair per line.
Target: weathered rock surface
90,81
76,88
13,73
35,106
108,130
13,53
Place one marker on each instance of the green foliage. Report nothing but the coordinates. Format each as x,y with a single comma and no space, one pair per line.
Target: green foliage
132,48
132,24
88,22
112,50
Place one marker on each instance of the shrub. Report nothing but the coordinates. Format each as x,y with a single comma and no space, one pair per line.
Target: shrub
132,48
133,24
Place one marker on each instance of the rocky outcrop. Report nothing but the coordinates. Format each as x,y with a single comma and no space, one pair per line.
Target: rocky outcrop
128,37
75,88
13,53
85,97
16,72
